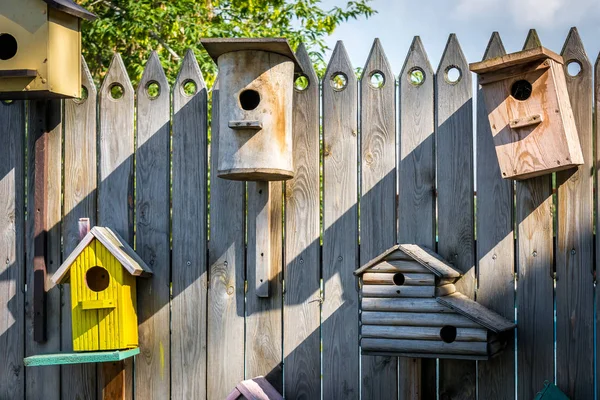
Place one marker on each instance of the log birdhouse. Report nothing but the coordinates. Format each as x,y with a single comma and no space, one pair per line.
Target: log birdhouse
410,308
40,49
256,78
529,112
102,271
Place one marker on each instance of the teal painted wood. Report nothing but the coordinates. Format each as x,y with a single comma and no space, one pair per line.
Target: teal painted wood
79,358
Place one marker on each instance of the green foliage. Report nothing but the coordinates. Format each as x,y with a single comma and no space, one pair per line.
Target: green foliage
135,27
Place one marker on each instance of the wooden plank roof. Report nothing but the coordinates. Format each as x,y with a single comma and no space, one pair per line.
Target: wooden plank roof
70,7
421,254
476,312
115,245
510,60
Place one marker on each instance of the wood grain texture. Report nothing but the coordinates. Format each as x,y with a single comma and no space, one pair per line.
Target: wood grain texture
301,310
44,117
113,374
575,241
152,372
340,237
12,251
263,314
79,201
115,180
378,196
455,196
225,331
535,260
416,189
596,122
189,230
495,244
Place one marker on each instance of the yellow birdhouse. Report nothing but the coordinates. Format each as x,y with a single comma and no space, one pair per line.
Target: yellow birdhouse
102,271
40,48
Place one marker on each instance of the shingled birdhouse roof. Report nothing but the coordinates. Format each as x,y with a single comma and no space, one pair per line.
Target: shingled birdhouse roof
70,7
115,245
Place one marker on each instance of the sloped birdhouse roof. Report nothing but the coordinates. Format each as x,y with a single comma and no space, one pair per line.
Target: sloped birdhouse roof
115,245
514,59
455,301
70,7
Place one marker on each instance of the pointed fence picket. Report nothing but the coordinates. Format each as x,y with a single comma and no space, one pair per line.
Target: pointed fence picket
202,326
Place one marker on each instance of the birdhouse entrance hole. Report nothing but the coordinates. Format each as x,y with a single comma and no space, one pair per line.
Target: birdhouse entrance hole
97,279
249,99
448,333
521,90
398,279
8,46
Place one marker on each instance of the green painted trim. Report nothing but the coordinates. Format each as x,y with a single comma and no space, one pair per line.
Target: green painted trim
79,358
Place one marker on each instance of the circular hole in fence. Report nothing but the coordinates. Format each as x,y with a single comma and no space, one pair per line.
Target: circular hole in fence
116,91
153,90
399,279
301,83
249,99
339,81
7,102
416,76
97,279
521,90
453,74
189,88
448,333
573,68
83,97
8,46
377,79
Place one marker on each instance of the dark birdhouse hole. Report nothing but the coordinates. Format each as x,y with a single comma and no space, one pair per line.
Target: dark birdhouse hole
521,90
448,333
398,279
97,279
249,99
8,46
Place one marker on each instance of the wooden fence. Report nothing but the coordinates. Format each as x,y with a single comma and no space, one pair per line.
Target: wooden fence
403,173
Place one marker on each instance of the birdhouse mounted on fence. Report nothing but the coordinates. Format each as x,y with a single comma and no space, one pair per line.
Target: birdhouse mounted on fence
40,49
410,308
256,78
102,271
529,112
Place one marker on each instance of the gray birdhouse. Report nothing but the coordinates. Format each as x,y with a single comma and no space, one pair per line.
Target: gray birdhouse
530,113
410,308
256,78
40,49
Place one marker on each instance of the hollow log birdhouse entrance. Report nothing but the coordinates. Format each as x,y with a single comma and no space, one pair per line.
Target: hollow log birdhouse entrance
410,308
529,112
40,49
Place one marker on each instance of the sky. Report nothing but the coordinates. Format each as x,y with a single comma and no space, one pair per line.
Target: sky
397,21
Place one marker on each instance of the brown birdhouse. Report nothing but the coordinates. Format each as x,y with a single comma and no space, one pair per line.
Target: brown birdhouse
256,78
411,308
40,49
529,112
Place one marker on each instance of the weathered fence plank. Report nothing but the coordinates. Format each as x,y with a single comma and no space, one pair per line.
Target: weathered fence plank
455,195
302,306
378,194
190,209
535,279
79,201
152,372
575,241
340,229
12,251
115,181
45,120
225,337
597,243
495,245
263,314
416,189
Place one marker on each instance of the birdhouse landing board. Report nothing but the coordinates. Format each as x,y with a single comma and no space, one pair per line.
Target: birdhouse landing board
102,271
410,308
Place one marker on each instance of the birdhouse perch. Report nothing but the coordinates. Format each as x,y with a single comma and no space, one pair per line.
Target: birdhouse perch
530,113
